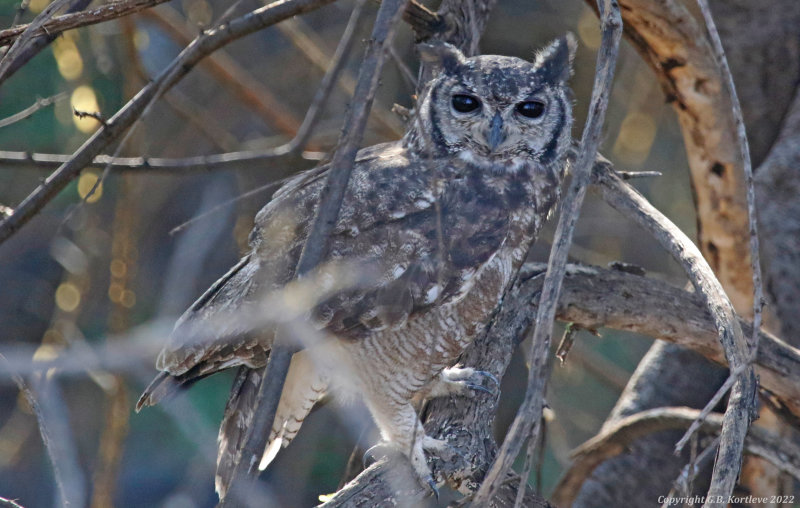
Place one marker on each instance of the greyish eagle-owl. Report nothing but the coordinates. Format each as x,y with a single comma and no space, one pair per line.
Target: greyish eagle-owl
443,218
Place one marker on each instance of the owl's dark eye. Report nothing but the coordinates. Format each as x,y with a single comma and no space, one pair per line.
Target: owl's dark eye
465,103
531,109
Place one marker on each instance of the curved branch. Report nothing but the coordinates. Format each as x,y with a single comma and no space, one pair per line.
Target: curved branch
742,403
616,439
594,297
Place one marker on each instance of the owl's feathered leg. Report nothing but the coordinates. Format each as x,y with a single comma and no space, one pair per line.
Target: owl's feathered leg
402,431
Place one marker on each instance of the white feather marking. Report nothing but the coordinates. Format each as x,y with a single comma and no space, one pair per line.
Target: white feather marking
271,451
432,294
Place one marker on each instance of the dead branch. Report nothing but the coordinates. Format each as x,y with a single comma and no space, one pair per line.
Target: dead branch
526,423
53,422
8,62
315,246
311,47
673,43
744,149
33,108
617,438
594,297
202,46
742,403
58,24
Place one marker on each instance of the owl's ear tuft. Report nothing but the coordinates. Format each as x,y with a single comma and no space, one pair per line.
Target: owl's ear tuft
554,62
440,55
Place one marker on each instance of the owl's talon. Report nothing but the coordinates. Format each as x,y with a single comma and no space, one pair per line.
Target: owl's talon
432,485
488,375
375,453
480,388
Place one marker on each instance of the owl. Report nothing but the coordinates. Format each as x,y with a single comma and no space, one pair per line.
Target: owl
437,225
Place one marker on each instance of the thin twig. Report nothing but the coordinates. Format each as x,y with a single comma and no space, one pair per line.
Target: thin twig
744,149
90,114
53,422
8,503
531,409
709,407
33,108
58,24
203,45
687,475
247,159
316,244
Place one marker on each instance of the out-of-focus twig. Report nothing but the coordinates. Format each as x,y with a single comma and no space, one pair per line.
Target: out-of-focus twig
313,251
8,62
33,108
8,503
224,68
311,46
53,419
205,44
527,422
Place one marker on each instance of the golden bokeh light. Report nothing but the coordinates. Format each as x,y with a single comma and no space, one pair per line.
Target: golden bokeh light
68,58
68,297
589,29
37,6
84,99
86,183
635,139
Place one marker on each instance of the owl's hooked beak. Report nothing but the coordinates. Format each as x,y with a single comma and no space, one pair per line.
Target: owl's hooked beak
495,136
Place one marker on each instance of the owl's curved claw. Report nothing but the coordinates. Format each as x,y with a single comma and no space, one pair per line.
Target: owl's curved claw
432,485
375,453
488,375
481,388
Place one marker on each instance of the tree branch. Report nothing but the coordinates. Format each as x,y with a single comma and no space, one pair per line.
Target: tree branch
617,438
742,404
202,46
58,24
527,422
315,246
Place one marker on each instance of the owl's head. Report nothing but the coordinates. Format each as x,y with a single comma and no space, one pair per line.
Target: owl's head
496,110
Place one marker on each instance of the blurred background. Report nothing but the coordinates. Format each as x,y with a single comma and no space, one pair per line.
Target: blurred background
114,270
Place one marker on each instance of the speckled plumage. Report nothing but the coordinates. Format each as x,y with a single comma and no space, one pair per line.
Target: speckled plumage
442,219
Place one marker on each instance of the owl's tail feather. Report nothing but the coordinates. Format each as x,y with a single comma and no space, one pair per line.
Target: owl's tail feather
303,388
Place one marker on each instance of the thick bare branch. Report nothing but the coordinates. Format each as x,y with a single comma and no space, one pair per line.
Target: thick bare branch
616,439
594,297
